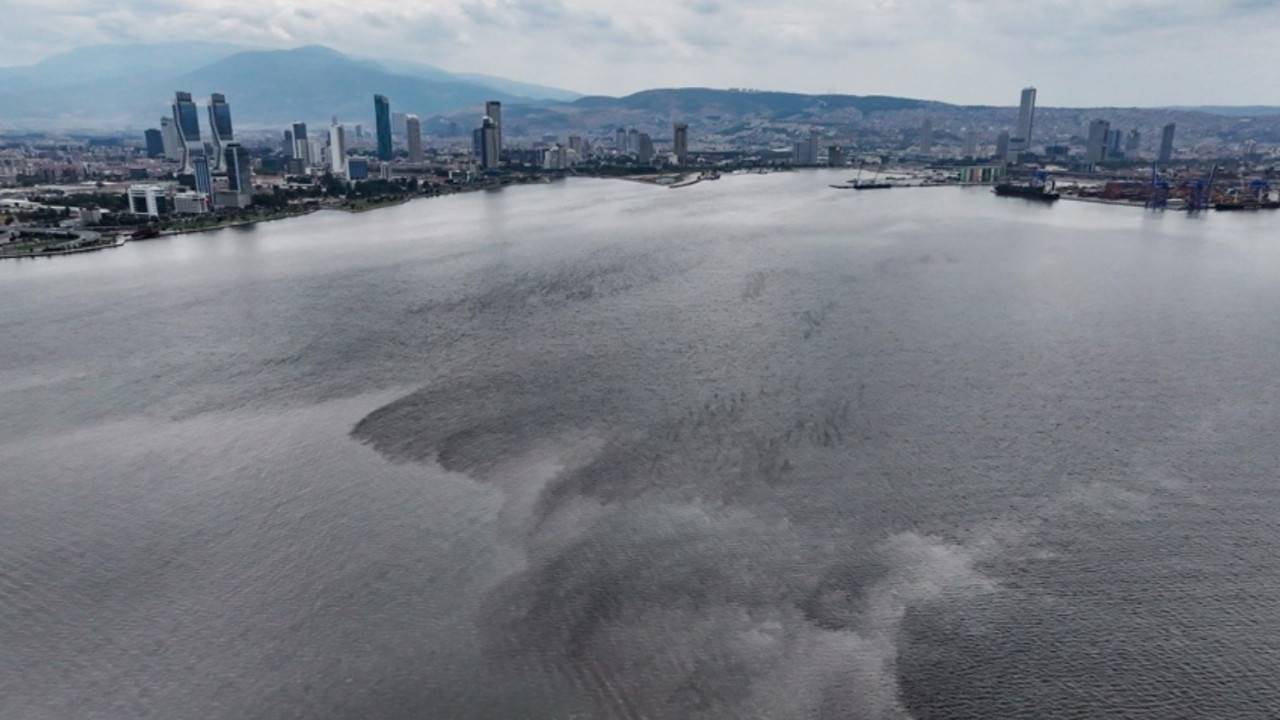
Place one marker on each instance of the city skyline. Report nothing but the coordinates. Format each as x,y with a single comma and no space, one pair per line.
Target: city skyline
916,49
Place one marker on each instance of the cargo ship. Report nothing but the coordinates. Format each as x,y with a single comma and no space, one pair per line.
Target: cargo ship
1027,192
1247,205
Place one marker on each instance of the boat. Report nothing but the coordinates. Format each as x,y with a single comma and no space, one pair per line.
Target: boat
1247,205
858,184
843,187
1027,192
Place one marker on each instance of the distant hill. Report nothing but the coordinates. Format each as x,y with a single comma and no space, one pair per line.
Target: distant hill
702,108
1232,110
695,101
313,83
131,86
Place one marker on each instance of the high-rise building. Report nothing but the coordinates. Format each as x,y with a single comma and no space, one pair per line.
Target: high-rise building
382,119
1115,143
204,175
1021,140
835,156
644,154
493,110
413,129
926,137
357,169
155,143
970,148
220,132
186,120
680,142
620,141
1132,142
301,146
338,150
239,171
488,140
805,152
316,150
1002,146
1096,148
633,141
1166,142
398,120
575,144
287,147
169,136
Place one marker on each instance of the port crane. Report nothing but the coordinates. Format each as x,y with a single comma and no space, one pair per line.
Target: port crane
1200,195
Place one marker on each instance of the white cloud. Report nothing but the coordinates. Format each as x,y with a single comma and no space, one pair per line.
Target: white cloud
1079,52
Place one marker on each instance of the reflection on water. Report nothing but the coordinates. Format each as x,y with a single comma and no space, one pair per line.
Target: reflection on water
753,448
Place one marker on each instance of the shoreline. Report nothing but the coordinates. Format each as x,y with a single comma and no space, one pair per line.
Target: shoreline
680,180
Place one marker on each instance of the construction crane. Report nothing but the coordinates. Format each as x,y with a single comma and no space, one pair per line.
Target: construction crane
1159,190
1201,195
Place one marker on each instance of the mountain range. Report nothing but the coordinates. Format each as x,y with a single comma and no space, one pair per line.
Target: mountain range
131,86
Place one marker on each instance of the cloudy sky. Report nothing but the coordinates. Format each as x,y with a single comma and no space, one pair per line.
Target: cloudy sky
1077,52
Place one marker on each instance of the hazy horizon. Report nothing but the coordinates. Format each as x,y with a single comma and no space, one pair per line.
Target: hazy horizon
1080,54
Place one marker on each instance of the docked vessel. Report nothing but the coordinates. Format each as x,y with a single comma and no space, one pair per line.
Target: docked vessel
872,186
1247,205
1028,192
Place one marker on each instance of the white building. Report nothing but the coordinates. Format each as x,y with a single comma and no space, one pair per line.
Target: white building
413,131
190,203
338,150
152,200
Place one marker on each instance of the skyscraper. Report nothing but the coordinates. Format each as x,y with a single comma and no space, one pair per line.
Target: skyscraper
1002,146
1115,143
398,120
155,143
288,144
620,140
805,152
169,136
187,122
493,109
413,130
926,137
1096,149
301,147
1021,140
338,150
219,128
488,138
239,173
633,141
970,149
680,141
1132,142
1166,142
644,154
204,176
382,119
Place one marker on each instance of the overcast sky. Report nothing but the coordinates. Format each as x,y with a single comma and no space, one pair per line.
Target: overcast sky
1077,52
